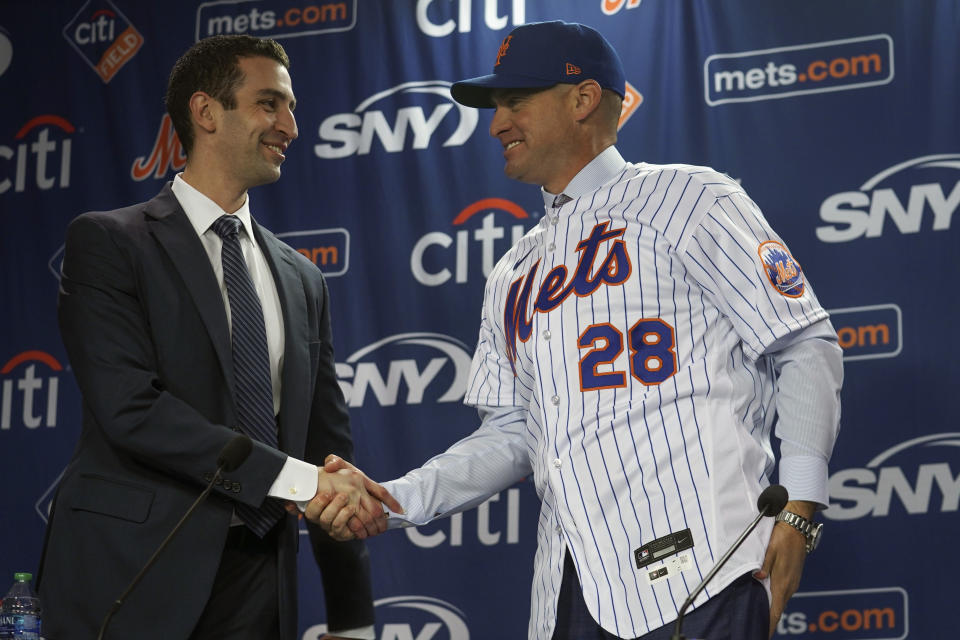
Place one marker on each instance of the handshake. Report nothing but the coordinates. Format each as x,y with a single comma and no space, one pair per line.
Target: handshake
348,504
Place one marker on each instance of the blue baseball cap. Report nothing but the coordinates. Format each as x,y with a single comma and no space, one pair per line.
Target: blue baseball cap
542,54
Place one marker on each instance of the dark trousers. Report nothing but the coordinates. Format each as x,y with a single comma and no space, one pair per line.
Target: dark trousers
740,612
243,604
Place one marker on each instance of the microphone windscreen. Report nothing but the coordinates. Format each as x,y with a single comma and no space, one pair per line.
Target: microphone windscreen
772,500
234,453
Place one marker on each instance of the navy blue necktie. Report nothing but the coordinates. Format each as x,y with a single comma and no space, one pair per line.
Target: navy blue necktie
253,389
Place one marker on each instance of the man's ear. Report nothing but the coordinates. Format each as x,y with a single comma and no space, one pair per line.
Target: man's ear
204,111
588,95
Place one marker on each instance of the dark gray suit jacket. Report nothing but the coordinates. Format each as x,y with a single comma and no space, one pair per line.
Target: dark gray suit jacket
143,321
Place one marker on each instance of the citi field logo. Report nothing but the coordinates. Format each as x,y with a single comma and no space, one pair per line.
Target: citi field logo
784,72
6,51
850,614
408,115
400,369
43,138
30,390
631,101
613,7
434,254
103,36
870,332
274,19
441,18
167,154
916,195
411,617
329,249
904,478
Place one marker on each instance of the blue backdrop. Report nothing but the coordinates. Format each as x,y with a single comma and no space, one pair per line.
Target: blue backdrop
839,118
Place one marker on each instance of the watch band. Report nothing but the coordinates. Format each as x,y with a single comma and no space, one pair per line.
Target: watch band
811,530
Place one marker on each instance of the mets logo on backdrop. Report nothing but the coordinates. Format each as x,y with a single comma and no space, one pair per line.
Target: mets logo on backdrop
784,273
103,36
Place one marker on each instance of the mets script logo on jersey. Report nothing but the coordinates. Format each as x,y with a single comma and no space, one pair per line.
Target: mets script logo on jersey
848,614
459,15
103,36
784,273
908,471
613,270
52,166
421,109
31,385
784,72
909,194
412,617
405,358
274,19
432,255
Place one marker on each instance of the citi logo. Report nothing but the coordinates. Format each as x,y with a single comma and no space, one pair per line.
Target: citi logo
408,361
402,111
103,37
432,257
30,390
51,168
437,19
612,7
494,526
412,618
328,249
918,194
167,153
894,477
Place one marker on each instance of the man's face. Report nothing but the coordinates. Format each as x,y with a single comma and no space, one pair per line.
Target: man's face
535,128
254,136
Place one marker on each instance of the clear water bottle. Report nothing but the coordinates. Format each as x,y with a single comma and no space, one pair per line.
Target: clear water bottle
20,611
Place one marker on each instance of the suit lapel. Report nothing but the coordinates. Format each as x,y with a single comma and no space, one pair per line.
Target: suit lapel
170,226
295,375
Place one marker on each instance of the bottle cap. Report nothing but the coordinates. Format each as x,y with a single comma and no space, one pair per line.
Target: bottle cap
23,577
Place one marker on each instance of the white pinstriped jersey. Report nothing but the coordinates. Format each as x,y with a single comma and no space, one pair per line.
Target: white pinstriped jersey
629,326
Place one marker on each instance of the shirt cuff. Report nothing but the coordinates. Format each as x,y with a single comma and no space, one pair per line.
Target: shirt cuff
296,482
407,495
360,633
805,478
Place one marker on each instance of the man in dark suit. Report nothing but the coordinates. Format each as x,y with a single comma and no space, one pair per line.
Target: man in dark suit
176,349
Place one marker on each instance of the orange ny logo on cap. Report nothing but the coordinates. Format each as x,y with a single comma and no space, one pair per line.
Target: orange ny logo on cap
573,70
503,48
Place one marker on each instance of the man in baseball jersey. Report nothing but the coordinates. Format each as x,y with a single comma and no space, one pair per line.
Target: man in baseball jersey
643,404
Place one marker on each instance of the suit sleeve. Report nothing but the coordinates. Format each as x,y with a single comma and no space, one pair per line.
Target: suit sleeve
106,332
344,566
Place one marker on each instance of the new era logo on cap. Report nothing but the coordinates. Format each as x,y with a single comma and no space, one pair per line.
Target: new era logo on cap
542,54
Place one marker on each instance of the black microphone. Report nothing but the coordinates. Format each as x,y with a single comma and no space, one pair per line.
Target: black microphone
231,456
771,502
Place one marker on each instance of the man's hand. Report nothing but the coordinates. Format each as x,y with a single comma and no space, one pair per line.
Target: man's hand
784,561
336,464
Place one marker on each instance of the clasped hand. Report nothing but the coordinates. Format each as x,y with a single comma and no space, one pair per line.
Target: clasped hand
348,504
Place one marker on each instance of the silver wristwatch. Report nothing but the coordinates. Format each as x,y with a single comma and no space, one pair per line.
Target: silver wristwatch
810,530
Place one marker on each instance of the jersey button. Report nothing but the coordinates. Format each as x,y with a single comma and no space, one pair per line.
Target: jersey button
551,247
557,463
555,400
546,334
554,220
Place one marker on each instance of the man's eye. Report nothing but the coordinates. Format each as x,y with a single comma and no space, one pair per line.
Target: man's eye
269,103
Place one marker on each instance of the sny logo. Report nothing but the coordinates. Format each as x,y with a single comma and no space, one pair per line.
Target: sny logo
347,134
924,184
430,268
36,392
46,173
411,617
103,36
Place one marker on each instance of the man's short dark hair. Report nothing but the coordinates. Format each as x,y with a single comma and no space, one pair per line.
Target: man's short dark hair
212,66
